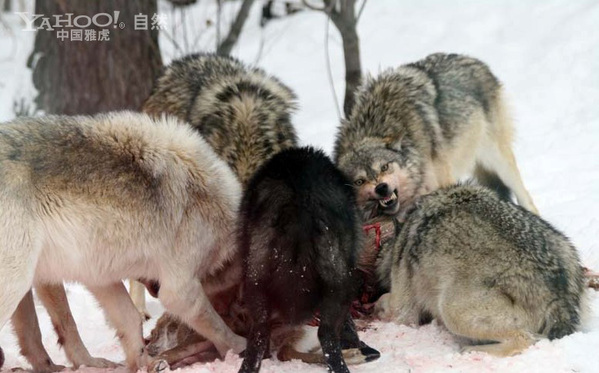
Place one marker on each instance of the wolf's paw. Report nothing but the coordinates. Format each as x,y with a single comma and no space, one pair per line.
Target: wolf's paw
382,309
369,353
95,362
46,368
364,354
158,366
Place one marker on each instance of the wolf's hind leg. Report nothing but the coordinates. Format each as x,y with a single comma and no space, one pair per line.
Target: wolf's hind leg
259,339
352,347
486,315
497,155
55,300
28,333
499,159
123,316
333,315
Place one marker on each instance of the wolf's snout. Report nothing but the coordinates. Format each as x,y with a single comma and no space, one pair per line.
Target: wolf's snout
382,189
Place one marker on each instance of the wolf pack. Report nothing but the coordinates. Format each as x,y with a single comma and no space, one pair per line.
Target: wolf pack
206,199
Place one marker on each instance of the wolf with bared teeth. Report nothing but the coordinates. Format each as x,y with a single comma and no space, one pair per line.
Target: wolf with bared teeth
426,125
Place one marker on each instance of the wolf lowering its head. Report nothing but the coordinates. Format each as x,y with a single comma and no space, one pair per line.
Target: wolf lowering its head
382,147
426,125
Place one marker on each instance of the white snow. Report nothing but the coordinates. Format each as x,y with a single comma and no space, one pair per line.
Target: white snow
547,55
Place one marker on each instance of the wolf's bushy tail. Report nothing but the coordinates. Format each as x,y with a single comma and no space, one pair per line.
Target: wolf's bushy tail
562,318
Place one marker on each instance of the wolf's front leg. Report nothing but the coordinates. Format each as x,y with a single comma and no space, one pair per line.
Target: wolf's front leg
398,305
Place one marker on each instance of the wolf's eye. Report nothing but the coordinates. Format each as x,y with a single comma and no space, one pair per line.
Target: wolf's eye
359,182
385,167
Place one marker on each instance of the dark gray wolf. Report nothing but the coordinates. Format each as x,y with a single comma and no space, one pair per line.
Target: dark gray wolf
300,237
242,112
486,269
426,125
114,196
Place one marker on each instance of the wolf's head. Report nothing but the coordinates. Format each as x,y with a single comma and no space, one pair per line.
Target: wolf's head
386,175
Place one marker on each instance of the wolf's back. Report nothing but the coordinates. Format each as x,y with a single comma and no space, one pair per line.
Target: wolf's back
243,113
527,259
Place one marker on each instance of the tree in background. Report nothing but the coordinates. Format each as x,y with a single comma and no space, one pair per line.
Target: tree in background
226,46
344,17
86,77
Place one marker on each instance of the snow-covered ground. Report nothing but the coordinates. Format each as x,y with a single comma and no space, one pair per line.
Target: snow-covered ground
547,55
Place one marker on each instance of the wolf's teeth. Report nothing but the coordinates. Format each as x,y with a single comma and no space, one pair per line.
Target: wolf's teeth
386,201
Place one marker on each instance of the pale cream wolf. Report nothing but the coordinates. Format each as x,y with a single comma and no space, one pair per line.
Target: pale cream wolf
241,111
100,199
426,125
490,271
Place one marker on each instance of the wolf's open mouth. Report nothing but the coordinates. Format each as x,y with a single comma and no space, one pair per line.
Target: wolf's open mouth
389,201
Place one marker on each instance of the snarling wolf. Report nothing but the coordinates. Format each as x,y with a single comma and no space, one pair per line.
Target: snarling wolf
426,125
114,196
490,271
300,237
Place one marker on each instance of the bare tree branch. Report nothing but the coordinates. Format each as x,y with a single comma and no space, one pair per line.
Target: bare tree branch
329,70
219,13
181,3
360,11
225,48
327,7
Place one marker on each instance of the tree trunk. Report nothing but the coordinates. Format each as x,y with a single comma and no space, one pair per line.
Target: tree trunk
225,48
86,77
353,67
343,15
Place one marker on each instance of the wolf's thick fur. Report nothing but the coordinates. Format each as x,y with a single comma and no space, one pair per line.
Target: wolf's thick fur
425,125
100,199
242,112
487,269
300,237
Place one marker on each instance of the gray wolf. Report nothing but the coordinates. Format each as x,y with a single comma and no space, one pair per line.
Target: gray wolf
114,196
426,125
490,271
300,237
242,112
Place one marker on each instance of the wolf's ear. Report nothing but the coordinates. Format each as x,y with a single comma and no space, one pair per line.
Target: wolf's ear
394,143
